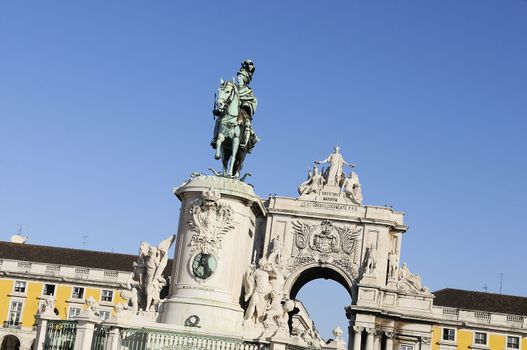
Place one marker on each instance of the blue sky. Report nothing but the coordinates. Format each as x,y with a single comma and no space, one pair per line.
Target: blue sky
105,106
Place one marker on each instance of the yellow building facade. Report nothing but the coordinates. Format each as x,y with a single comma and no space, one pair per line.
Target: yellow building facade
30,274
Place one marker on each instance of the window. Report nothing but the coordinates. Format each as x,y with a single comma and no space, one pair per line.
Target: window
480,338
104,315
20,286
449,334
77,293
406,347
49,289
15,313
513,342
74,311
107,295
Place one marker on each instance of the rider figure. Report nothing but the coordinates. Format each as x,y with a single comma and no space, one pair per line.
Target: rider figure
248,102
248,105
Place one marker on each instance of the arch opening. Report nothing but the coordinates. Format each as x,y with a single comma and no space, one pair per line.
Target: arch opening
318,272
321,293
10,342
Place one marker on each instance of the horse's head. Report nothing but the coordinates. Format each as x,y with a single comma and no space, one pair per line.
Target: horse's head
225,96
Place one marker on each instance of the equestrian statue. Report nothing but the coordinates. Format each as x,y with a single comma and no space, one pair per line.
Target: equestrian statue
234,106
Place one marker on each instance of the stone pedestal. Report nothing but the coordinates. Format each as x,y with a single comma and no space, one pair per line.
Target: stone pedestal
86,322
214,247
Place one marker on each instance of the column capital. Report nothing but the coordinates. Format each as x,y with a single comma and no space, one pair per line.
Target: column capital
371,331
358,329
389,334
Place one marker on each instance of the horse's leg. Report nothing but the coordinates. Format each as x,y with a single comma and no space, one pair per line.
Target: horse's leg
225,160
219,141
235,144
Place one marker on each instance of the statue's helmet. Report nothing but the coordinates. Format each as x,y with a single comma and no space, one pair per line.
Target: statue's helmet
248,65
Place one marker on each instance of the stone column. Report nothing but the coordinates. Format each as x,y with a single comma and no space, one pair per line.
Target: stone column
389,340
86,322
377,336
113,339
357,337
42,326
369,338
214,247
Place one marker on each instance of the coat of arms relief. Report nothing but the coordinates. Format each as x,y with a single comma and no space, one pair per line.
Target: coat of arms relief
327,243
210,220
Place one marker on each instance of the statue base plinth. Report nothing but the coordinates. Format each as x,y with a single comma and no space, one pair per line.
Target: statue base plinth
214,248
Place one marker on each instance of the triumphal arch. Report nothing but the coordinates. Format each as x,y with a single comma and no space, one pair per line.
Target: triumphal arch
240,260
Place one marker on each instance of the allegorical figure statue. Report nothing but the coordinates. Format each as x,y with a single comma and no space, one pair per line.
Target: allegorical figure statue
147,279
234,107
314,183
335,175
352,189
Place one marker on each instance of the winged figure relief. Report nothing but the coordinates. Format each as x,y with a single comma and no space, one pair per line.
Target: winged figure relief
302,231
349,237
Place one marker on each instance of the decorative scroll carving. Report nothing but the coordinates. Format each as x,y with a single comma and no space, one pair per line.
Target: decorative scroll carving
210,220
410,282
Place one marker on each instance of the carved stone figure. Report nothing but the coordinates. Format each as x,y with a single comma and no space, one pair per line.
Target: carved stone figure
337,333
393,266
147,280
370,260
410,282
48,306
335,176
92,305
278,312
314,183
258,290
234,107
352,189
210,220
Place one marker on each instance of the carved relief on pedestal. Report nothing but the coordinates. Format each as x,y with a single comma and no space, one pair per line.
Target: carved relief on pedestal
210,220
327,243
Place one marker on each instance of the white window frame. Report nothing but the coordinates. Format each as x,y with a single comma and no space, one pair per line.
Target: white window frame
443,334
49,284
406,347
11,301
73,291
25,287
486,338
102,312
102,295
70,315
513,336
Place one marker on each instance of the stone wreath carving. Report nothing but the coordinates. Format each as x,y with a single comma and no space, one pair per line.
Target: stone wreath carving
327,243
210,220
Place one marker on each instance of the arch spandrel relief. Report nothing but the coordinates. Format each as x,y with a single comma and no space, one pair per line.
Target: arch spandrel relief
326,243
